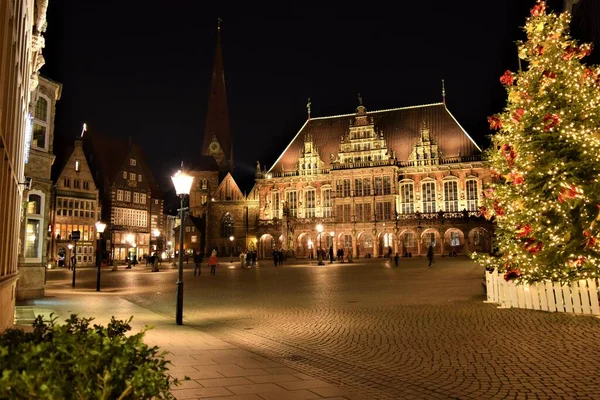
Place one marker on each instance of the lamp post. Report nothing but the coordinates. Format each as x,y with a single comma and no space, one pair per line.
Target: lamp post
70,246
100,227
332,234
183,185
231,254
320,230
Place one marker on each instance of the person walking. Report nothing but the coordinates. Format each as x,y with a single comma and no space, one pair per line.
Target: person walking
430,253
198,262
254,258
242,258
396,259
330,254
213,262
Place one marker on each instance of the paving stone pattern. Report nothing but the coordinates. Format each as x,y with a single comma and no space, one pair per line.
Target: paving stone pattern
369,330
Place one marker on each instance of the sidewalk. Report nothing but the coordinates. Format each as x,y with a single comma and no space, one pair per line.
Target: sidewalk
217,370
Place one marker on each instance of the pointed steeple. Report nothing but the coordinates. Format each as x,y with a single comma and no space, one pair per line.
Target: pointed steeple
443,92
217,118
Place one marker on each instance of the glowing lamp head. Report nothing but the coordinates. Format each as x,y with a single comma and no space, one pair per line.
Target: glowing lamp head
319,228
70,246
231,238
100,227
169,243
156,232
332,233
134,245
182,182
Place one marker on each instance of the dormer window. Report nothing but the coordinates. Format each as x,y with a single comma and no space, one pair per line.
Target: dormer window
132,162
77,166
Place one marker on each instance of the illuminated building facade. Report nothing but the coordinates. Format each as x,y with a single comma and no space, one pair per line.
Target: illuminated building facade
383,182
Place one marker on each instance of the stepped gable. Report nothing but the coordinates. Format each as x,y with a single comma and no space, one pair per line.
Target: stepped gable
401,129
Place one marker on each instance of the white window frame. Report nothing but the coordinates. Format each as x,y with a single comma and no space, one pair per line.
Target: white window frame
45,124
326,204
428,203
310,212
451,204
276,204
472,196
124,174
127,196
407,197
132,176
293,212
119,195
132,162
136,197
36,217
143,198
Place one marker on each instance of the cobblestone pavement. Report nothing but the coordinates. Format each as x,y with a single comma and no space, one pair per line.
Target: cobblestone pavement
391,333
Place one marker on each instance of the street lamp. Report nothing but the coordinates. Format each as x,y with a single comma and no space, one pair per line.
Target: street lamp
332,234
70,246
100,227
320,230
231,254
183,185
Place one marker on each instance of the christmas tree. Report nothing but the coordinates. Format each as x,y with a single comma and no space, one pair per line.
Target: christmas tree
545,160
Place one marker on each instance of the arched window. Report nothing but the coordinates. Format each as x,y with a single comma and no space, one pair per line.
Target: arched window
227,226
407,198
472,195
428,194
41,109
451,195
34,204
40,124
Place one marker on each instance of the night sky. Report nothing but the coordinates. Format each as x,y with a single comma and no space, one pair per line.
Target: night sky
142,69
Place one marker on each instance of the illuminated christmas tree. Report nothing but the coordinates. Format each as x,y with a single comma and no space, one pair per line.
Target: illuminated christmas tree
545,160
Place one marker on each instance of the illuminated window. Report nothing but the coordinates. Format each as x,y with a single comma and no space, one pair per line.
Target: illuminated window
407,198
292,203
136,197
429,238
139,177
77,165
378,186
33,228
142,198
451,196
194,238
346,192
366,186
327,209
34,204
409,239
127,195
275,204
227,226
40,126
309,203
32,238
358,187
41,109
472,195
119,195
124,174
132,176
132,162
428,193
387,185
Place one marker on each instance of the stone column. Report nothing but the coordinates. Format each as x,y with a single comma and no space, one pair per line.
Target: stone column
354,254
375,243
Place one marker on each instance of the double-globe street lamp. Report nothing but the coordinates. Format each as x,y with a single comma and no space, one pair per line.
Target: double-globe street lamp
320,230
183,185
100,227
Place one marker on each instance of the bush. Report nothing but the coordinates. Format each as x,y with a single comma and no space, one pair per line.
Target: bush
76,361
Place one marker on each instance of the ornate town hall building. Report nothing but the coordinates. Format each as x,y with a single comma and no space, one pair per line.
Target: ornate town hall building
379,182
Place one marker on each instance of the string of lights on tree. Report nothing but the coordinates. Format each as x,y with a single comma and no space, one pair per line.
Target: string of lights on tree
545,160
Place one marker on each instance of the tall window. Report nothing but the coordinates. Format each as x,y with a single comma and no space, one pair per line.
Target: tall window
472,195
132,162
366,186
429,238
387,185
358,187
40,124
136,197
124,174
346,188
428,192
358,212
409,239
33,228
378,186
132,176
67,182
275,205
326,202
142,198
451,196
309,203
407,198
339,185
127,195
77,166
119,195
227,226
292,203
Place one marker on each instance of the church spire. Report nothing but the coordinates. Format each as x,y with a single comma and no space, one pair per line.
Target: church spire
443,93
217,128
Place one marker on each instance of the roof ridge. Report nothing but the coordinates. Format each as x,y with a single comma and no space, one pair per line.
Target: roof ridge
378,111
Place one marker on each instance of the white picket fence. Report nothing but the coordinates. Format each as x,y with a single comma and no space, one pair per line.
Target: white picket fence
580,297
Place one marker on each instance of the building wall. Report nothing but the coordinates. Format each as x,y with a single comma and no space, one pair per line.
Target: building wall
75,206
157,226
35,232
129,237
20,60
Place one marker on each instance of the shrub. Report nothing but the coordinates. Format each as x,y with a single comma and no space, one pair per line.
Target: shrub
76,361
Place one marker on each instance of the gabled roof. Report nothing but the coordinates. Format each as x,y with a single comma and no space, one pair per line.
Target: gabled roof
401,130
228,190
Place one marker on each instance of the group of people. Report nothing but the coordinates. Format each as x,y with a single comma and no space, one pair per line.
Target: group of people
248,259
278,257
